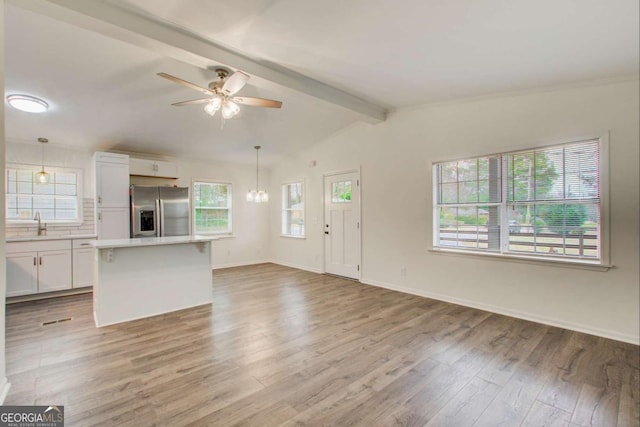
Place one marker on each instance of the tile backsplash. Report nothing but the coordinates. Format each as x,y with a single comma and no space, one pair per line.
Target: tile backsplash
87,226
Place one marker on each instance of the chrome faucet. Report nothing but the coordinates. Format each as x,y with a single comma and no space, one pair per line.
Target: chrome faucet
42,229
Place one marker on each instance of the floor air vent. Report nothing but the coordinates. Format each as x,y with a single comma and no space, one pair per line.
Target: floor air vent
51,322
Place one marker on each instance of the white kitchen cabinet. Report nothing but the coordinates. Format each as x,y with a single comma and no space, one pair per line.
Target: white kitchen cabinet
22,274
113,223
112,182
54,270
112,195
156,168
83,263
34,267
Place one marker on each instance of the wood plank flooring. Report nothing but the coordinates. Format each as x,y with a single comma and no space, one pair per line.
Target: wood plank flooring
287,347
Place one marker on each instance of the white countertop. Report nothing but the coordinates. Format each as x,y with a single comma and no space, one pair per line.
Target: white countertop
52,237
151,241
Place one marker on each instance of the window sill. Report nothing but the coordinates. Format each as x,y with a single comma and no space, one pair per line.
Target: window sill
286,236
218,235
34,224
571,263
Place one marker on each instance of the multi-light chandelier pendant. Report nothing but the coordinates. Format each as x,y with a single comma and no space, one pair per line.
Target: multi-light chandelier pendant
257,195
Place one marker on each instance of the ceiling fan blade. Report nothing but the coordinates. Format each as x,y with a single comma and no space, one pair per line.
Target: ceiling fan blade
193,101
257,102
185,83
234,83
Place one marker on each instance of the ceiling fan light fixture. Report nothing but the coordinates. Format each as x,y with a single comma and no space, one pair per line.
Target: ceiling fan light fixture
213,106
229,109
28,103
221,94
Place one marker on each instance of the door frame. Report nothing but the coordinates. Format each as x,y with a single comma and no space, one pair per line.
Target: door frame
326,175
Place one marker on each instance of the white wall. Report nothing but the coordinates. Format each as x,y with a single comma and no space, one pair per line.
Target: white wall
250,221
396,156
4,385
30,153
55,155
249,243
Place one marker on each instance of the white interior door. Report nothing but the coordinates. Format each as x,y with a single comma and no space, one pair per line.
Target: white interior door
342,224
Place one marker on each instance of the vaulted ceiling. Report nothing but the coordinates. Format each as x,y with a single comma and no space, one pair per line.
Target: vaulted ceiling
332,63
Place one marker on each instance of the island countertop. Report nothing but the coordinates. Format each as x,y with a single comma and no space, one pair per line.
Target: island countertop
151,241
36,238
138,278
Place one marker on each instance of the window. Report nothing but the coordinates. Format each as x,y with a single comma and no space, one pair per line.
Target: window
293,209
341,192
212,207
544,202
58,201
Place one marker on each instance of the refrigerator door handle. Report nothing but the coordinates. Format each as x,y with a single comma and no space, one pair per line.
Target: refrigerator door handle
161,215
158,223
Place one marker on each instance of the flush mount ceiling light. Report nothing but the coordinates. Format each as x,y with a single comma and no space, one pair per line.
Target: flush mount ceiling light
257,196
220,94
27,103
42,177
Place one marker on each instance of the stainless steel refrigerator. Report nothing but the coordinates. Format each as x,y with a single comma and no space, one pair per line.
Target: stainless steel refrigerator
159,211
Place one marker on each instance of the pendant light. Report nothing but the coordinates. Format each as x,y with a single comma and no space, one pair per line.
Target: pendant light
42,177
257,195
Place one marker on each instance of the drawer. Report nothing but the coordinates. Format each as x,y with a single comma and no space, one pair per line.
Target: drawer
83,243
38,246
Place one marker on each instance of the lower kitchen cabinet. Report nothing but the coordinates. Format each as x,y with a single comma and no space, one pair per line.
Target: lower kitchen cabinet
83,263
22,274
54,271
45,266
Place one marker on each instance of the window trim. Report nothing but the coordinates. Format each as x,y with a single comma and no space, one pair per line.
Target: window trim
14,223
229,232
304,209
602,264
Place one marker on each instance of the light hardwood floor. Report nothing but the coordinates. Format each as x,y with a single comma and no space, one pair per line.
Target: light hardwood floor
282,346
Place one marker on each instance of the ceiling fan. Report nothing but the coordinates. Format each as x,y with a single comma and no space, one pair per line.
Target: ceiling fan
220,94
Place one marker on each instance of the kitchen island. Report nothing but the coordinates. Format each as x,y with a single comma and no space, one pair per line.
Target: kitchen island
137,278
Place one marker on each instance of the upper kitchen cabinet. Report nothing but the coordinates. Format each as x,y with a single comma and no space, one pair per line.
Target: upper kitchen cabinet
112,180
156,168
112,195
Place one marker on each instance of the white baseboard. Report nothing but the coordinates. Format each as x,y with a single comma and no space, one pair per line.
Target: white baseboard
508,312
237,264
4,389
298,266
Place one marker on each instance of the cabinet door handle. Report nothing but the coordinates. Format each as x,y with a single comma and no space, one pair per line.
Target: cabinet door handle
34,261
100,217
40,260
85,244
99,200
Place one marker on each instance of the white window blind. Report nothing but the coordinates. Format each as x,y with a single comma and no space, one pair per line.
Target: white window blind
554,200
541,202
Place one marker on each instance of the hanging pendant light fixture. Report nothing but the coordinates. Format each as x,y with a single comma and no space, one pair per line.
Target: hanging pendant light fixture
257,195
42,177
